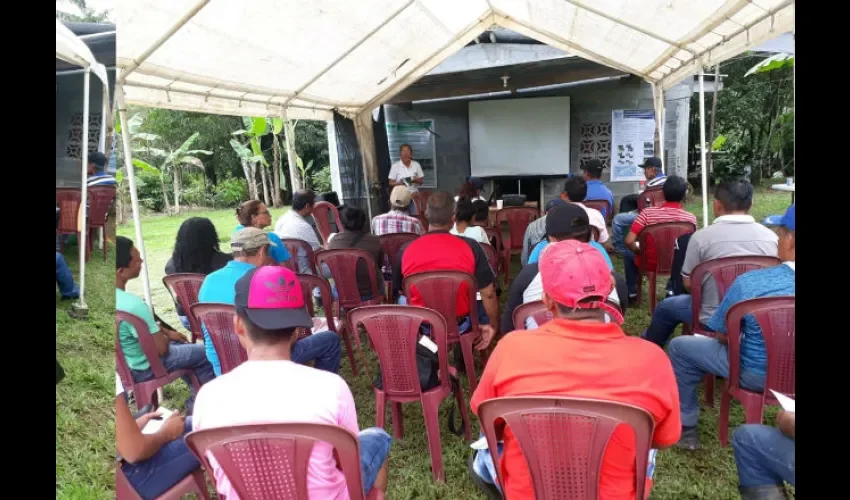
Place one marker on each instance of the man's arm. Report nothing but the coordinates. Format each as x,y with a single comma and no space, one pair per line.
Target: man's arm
631,242
785,422
634,231
693,256
132,444
717,322
491,306
418,174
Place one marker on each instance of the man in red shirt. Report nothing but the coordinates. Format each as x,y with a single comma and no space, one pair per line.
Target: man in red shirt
674,191
579,354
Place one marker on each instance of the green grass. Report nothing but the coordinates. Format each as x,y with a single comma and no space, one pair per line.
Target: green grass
708,473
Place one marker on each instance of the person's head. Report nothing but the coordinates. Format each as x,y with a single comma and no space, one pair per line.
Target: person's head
303,201
482,212
464,210
400,198
353,219
576,281
195,246
651,167
675,188
406,153
251,245
733,197
575,190
254,213
97,162
128,261
440,210
269,308
593,170
554,203
786,230
568,221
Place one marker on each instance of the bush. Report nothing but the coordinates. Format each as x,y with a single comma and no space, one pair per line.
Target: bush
149,191
197,196
230,192
321,181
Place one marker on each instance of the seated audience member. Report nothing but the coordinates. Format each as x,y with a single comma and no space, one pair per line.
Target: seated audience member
596,189
196,250
96,174
575,191
765,456
152,463
464,212
397,220
471,189
482,213
271,387
622,222
65,279
567,221
693,357
674,189
562,358
536,231
294,223
355,234
174,350
254,213
438,250
250,250
734,233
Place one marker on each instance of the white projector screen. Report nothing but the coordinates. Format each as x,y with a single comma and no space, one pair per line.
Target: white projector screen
514,137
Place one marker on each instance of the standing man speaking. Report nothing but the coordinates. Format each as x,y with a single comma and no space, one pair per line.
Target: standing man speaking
407,172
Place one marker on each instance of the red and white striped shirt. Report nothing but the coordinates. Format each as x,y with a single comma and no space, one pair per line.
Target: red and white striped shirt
668,212
396,221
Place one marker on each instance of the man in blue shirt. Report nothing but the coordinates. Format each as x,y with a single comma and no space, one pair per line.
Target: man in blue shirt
695,356
596,189
96,174
251,249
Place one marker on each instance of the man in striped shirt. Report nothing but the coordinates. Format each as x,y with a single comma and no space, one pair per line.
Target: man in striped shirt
397,220
674,190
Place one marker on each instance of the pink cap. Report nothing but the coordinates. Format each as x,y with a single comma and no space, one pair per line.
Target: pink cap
272,298
572,272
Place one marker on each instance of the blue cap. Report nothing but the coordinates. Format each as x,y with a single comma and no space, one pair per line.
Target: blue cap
786,220
555,202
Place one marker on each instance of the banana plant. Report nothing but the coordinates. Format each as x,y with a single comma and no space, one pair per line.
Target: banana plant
173,163
254,129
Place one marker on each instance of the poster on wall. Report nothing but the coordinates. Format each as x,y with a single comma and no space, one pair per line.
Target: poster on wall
632,140
418,134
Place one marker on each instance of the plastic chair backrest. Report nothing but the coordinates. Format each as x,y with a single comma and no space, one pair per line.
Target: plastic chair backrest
68,200
391,244
394,332
724,271
495,234
492,257
662,237
145,341
100,199
776,317
184,289
651,197
440,291
293,246
271,460
518,219
218,319
321,213
308,284
534,310
564,439
420,201
343,266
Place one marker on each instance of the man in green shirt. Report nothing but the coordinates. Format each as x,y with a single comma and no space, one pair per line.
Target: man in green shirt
174,350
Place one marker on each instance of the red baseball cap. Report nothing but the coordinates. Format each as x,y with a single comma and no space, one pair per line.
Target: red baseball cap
272,299
576,275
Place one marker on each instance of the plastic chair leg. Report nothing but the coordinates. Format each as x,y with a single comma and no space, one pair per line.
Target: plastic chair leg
430,408
653,298
380,409
709,390
398,420
343,332
753,411
464,413
468,360
639,289
723,421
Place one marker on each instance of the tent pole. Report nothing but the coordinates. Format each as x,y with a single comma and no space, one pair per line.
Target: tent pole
134,196
702,154
82,217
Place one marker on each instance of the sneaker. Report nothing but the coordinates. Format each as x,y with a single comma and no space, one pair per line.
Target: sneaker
689,439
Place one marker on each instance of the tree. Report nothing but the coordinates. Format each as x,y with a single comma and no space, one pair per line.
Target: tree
85,15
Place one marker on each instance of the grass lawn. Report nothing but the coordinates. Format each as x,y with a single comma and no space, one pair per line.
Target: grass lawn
708,473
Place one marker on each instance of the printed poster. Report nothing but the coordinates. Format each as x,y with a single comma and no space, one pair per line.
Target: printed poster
632,141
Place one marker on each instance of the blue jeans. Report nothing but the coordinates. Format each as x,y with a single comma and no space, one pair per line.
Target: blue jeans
620,227
184,320
764,456
156,475
179,357
374,450
668,314
692,358
65,279
322,347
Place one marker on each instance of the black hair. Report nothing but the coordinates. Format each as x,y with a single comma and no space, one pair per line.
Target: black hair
247,210
675,189
482,210
464,210
440,208
261,335
303,198
123,250
353,218
735,196
195,246
408,146
576,189
584,236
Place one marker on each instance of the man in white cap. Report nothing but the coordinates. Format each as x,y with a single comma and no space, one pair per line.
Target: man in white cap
397,220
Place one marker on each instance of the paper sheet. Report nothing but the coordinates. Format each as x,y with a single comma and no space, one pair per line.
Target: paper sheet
785,402
153,425
481,444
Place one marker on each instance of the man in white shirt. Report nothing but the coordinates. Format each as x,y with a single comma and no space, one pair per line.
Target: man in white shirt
294,224
407,168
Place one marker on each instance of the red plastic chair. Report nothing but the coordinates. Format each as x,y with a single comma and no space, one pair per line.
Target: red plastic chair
564,439
321,213
518,219
293,245
184,289
439,291
270,461
420,201
218,318
651,197
394,331
495,236
776,317
492,257
100,201
534,310
724,271
193,483
145,392
661,237
603,206
68,200
391,245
